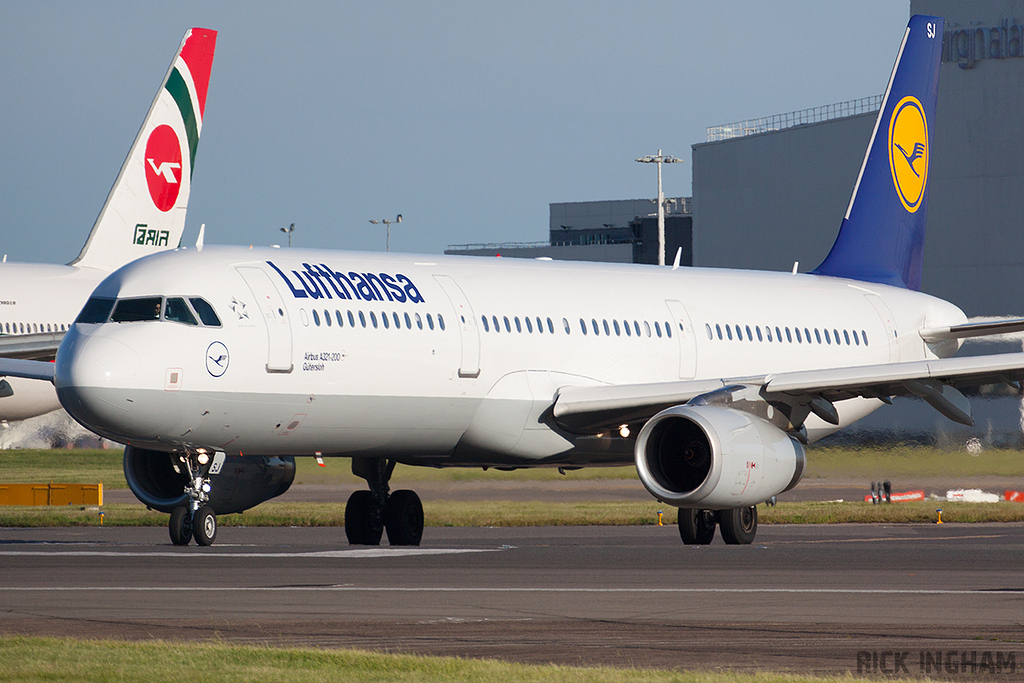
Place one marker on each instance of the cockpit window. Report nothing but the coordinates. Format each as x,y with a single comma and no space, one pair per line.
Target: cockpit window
178,311
205,311
96,310
133,310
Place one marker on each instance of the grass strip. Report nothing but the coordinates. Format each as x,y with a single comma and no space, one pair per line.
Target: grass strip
441,513
52,659
869,464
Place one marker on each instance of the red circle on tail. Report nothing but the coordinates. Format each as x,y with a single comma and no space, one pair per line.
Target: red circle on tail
163,167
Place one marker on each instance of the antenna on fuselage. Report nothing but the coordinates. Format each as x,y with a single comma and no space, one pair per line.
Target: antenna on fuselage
679,255
202,235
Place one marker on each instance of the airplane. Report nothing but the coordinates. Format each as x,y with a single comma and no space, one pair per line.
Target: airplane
144,213
218,366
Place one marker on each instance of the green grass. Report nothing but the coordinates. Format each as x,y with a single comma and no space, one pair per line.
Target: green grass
50,659
94,465
440,513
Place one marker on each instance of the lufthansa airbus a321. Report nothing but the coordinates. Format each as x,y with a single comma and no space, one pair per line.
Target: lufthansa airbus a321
217,367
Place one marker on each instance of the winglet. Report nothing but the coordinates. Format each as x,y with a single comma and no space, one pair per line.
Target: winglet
882,235
145,210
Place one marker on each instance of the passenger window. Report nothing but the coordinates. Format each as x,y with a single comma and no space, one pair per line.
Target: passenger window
177,311
494,319
798,339
408,322
615,324
316,318
864,336
337,316
636,326
430,321
384,319
362,319
529,325
807,335
768,333
718,329
758,330
657,330
728,332
483,319
398,321
750,337
96,310
419,322
440,321
508,327
707,328
352,320
135,310
828,339
789,337
607,330
817,335
519,327
597,330
565,324
647,328
583,327
668,330
327,317
846,336
551,326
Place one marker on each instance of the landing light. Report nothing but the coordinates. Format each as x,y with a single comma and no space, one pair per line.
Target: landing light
624,431
203,458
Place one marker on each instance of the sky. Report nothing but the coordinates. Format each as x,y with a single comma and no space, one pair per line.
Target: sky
468,118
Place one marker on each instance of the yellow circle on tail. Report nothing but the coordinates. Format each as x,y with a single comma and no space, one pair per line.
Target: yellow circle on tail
909,152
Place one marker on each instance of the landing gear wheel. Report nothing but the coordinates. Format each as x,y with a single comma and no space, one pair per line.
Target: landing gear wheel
363,523
739,525
180,526
403,518
696,527
204,524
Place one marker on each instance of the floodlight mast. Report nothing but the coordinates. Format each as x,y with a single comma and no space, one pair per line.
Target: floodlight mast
387,223
659,159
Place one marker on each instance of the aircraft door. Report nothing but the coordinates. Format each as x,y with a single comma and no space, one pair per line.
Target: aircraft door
885,314
469,365
275,317
682,328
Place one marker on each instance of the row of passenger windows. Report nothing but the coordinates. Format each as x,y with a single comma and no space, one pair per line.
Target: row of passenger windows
385,319
614,327
30,328
797,334
174,309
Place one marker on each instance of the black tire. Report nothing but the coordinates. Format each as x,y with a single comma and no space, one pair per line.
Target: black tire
696,527
204,524
403,518
180,526
363,519
739,525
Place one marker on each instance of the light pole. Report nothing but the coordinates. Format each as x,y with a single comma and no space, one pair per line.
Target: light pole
288,231
388,223
659,159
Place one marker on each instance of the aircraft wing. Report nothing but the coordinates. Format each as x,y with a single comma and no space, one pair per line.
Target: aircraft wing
28,369
39,346
591,409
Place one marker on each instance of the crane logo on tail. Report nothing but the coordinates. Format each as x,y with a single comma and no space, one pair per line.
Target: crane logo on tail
908,152
163,167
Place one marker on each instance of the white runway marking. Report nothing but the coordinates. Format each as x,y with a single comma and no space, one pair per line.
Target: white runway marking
361,553
468,589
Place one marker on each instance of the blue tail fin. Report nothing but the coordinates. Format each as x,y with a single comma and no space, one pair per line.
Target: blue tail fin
882,236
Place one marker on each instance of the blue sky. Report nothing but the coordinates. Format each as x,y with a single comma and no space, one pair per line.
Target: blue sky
466,117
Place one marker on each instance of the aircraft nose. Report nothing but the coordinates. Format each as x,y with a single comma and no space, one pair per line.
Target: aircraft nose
94,377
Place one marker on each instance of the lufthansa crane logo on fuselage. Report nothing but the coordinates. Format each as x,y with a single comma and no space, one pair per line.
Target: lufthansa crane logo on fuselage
217,359
909,152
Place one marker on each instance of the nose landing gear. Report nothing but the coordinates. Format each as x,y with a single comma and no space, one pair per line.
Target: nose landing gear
198,519
369,513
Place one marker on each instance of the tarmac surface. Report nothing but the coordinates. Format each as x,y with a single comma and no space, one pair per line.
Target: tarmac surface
904,600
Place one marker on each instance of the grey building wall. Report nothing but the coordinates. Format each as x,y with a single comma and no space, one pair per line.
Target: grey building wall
765,201
606,253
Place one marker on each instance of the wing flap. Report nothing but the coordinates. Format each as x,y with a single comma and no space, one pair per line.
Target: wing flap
38,346
28,369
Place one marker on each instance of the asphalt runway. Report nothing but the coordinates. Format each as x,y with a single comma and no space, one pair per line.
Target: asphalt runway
810,599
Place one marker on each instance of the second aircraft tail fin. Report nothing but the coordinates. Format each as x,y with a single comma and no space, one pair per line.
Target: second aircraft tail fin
145,210
882,235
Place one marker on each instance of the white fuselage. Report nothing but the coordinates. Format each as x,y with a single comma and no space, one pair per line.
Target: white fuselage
37,299
419,376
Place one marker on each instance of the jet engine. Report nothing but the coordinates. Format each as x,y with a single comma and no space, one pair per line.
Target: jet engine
715,458
240,482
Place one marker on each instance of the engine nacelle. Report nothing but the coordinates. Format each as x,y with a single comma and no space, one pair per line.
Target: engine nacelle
241,483
716,458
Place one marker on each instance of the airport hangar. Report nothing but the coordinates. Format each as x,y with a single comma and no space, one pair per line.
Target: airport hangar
773,191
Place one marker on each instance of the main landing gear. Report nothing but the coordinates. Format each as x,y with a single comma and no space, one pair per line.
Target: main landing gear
198,519
369,513
738,525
